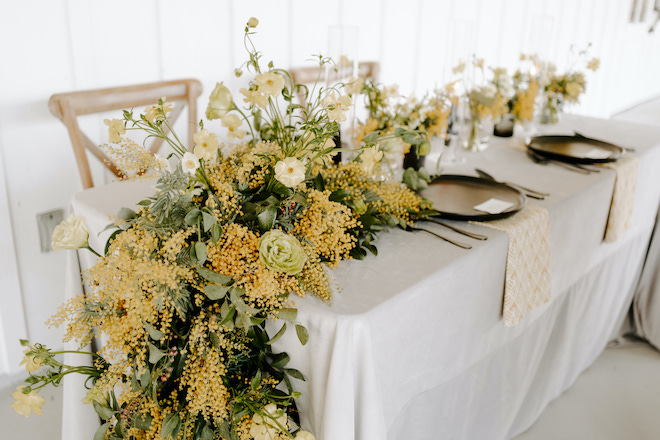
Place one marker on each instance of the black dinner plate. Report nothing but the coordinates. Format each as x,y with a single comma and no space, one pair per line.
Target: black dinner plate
455,197
574,149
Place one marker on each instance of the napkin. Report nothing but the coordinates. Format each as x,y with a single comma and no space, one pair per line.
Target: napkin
623,198
527,262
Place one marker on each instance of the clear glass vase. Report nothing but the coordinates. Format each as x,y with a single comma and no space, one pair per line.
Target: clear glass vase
551,110
477,135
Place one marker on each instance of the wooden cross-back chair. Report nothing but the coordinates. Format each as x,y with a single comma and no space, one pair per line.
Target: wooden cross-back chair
68,106
311,74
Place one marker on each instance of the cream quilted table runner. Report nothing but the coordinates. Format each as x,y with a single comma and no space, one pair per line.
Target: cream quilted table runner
621,209
528,261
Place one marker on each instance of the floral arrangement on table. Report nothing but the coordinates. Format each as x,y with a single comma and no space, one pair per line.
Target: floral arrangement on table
523,102
186,284
486,93
562,88
390,115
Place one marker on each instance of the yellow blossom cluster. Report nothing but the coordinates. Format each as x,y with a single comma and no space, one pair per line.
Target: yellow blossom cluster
204,370
523,108
393,197
325,224
131,158
245,165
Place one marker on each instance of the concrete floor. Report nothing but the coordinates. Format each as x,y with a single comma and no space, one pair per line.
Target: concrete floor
617,398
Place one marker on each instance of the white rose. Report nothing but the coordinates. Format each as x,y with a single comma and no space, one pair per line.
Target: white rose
304,435
189,163
290,171
70,234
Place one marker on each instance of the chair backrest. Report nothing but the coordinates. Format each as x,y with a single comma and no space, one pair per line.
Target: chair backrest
310,75
68,106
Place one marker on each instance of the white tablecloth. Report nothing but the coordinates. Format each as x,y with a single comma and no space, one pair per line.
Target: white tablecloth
414,347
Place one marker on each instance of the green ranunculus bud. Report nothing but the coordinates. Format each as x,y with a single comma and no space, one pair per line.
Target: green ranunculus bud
360,207
281,252
424,148
220,102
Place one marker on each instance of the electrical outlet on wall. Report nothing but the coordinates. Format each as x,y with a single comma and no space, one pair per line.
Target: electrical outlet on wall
47,222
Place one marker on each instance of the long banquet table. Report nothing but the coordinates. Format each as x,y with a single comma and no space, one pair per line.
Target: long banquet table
414,346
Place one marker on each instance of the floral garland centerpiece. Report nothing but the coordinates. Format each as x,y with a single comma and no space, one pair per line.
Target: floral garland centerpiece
185,285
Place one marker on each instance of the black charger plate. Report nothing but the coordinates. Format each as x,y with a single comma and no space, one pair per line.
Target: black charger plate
574,149
455,197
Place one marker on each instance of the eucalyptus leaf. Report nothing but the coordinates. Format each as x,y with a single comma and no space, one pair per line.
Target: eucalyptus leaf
207,433
295,373
280,360
278,335
338,195
208,221
287,314
192,217
155,354
145,378
143,421
235,295
110,240
303,334
243,320
256,380
156,335
126,214
227,320
212,276
100,433
171,426
103,411
215,292
200,251
216,233
267,218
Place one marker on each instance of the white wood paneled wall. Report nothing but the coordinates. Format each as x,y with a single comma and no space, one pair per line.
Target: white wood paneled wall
53,46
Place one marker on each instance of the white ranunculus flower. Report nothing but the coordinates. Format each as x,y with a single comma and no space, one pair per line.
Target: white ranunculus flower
232,122
220,102
253,97
253,22
162,164
206,145
490,90
370,157
32,363
27,402
304,435
265,428
115,129
573,89
290,172
189,163
158,112
70,234
269,83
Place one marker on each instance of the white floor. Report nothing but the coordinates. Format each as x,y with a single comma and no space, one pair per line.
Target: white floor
617,398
